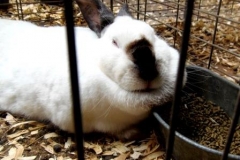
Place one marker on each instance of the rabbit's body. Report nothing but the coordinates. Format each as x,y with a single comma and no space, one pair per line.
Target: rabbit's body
34,70
35,81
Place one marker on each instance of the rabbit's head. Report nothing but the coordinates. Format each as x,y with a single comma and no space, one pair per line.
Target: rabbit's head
135,58
132,64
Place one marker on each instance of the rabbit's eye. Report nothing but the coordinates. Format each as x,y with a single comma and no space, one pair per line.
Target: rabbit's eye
115,43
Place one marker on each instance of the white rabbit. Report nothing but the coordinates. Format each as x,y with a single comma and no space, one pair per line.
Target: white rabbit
125,70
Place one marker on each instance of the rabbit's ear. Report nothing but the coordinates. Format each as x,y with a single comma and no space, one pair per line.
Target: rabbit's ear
96,14
124,11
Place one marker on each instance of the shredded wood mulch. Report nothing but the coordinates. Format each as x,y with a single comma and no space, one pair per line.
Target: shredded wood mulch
225,48
25,139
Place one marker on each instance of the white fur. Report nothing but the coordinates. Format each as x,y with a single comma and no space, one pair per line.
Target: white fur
34,74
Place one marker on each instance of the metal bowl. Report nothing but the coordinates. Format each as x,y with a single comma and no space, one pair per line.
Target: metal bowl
214,88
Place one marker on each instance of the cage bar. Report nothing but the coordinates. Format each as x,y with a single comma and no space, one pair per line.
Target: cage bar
74,78
179,82
177,16
214,33
232,128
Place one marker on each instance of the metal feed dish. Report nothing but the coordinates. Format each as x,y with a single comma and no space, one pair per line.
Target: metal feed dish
214,88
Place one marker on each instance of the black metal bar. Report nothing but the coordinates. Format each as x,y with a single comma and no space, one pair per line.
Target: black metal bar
175,33
138,8
21,11
199,6
111,5
232,128
74,78
214,34
179,82
17,9
145,10
232,6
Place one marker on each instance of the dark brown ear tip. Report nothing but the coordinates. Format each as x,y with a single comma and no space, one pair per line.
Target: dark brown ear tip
124,11
96,14
125,6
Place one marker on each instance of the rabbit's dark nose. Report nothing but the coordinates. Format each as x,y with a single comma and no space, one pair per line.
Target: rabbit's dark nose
145,62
